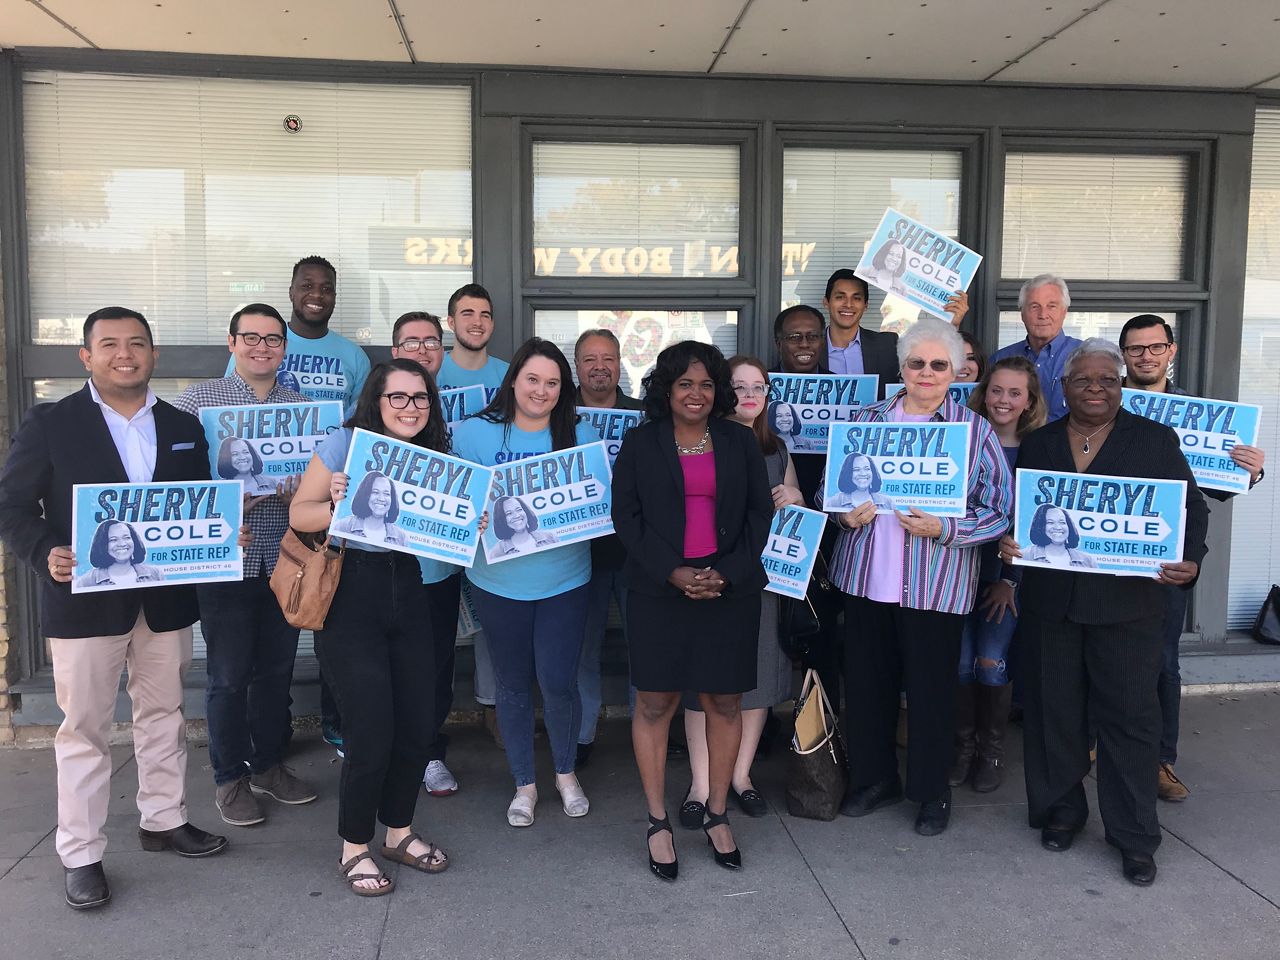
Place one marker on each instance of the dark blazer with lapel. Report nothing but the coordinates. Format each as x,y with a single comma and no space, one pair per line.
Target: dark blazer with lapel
68,442
648,506
880,356
1137,447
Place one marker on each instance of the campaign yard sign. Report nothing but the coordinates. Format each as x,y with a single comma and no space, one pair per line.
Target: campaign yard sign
791,550
540,503
131,535
407,498
262,444
913,261
898,466
1083,523
610,424
1206,429
461,402
803,405
959,392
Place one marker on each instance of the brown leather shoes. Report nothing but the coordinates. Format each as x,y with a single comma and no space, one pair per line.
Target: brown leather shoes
185,841
1169,787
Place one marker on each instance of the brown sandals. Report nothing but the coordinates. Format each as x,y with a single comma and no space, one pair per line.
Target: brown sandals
427,862
386,885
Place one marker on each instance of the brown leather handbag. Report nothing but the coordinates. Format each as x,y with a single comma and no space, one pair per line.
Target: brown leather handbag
306,577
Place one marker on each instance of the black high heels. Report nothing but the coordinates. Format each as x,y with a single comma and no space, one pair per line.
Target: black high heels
731,860
663,871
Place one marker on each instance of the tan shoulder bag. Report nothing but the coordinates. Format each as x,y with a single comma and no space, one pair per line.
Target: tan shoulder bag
306,578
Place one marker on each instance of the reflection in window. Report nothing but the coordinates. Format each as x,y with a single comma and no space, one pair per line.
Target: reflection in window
635,210
641,334
832,200
189,226
1081,324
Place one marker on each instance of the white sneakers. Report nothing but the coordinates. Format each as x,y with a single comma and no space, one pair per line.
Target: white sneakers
438,780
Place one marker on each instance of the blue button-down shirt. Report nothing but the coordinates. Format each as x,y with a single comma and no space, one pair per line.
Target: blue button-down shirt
1049,364
845,359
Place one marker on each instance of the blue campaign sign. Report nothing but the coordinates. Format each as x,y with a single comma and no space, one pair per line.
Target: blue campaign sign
803,405
791,550
460,402
907,258
959,392
898,466
404,497
130,535
1083,523
540,503
610,424
262,444
1207,430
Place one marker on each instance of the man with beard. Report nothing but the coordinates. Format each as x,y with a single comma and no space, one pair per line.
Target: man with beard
469,364
1149,351
597,362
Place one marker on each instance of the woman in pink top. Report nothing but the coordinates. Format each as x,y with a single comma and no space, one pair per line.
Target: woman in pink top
691,505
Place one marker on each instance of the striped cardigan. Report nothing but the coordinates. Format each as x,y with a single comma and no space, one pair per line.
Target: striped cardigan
938,574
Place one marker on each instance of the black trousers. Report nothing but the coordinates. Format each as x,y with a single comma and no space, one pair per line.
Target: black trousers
1077,677
889,648
376,650
442,602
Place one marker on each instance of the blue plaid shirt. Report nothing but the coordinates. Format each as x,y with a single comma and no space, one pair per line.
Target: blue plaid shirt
269,520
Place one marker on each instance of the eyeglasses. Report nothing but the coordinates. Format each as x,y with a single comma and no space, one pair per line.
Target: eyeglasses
253,339
798,338
1155,349
751,390
937,366
414,344
399,401
1084,383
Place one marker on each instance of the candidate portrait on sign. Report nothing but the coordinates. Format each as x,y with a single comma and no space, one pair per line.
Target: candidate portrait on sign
516,527
887,267
783,419
374,511
1055,540
117,559
237,460
858,482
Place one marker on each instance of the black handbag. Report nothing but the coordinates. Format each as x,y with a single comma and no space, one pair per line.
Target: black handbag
1266,629
801,620
817,770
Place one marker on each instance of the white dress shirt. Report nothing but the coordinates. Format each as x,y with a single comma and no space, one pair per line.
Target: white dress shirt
134,437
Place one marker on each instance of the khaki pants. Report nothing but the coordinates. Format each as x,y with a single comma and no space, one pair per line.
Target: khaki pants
86,675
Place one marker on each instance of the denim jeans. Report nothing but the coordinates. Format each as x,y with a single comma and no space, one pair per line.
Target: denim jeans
442,603
986,640
542,639
1169,687
604,584
251,651
376,649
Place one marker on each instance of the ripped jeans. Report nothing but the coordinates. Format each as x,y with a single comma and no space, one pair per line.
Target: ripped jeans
986,640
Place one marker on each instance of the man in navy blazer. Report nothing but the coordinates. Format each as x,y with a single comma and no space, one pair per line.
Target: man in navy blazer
114,430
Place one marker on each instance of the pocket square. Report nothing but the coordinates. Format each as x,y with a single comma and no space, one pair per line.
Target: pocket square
183,446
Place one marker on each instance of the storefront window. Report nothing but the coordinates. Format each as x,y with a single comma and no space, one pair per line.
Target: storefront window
186,198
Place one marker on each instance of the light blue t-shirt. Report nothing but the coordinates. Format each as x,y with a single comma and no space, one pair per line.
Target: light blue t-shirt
538,575
330,368
489,376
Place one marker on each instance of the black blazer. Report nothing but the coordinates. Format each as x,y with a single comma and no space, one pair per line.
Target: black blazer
880,356
1137,447
68,442
648,506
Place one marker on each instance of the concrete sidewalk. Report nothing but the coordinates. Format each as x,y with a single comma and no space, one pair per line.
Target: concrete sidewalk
853,888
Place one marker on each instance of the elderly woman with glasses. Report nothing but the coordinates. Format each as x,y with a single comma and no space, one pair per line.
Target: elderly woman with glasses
911,578
1091,646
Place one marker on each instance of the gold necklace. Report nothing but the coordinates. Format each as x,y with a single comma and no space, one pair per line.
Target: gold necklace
698,448
1085,447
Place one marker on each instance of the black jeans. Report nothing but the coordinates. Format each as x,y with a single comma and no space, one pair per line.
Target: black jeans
889,648
376,650
1169,688
251,652
1078,676
442,602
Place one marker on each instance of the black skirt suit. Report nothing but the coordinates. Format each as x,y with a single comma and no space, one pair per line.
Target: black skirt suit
678,644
